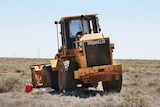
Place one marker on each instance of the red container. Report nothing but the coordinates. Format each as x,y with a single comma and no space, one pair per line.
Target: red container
29,88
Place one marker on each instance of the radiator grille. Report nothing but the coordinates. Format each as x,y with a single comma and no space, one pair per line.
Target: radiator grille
98,53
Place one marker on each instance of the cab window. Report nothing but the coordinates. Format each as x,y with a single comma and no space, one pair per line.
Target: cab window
75,27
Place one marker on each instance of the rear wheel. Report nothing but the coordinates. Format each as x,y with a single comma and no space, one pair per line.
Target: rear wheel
106,86
34,82
118,84
114,85
49,78
66,79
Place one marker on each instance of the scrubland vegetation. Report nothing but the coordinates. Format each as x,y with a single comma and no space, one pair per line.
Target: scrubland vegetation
141,87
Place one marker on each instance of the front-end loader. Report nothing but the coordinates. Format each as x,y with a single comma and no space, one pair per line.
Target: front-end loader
85,58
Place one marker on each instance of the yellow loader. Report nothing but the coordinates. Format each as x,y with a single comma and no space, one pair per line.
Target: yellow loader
85,58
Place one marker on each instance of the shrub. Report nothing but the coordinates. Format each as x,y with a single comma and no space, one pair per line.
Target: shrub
154,82
133,98
135,83
10,82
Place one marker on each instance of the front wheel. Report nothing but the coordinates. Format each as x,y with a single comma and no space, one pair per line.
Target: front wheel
34,81
114,85
66,79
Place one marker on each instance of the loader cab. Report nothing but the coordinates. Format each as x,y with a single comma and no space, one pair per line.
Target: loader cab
73,28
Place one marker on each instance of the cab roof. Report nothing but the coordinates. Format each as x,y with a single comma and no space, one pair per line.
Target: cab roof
74,17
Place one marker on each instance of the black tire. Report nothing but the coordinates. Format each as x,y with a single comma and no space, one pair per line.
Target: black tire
49,78
118,84
114,85
106,86
66,79
34,82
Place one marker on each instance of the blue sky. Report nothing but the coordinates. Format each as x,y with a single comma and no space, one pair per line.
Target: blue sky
27,26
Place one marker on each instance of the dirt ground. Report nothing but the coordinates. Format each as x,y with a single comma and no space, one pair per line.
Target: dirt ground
141,87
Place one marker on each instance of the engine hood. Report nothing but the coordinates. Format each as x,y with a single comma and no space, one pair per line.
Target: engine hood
87,37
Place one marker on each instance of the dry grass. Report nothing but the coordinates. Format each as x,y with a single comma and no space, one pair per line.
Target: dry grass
141,87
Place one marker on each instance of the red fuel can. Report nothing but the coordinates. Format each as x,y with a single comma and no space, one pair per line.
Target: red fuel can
29,87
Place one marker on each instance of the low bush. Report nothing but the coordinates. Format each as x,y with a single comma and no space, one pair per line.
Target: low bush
154,82
133,98
10,82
